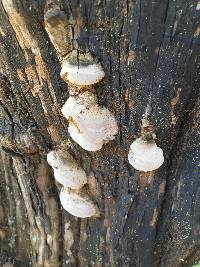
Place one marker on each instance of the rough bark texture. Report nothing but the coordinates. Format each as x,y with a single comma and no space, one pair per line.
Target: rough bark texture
150,53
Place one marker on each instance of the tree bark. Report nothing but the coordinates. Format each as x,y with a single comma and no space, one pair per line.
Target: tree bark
149,51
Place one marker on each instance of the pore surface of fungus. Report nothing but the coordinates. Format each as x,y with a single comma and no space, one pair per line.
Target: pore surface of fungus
78,204
81,69
145,156
90,125
66,170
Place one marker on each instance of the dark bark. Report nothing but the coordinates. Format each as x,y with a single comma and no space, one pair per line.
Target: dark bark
150,53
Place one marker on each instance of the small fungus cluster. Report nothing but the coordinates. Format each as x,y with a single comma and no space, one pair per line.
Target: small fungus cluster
66,170
68,173
80,72
90,125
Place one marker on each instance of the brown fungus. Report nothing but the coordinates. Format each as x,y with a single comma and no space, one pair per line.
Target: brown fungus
58,28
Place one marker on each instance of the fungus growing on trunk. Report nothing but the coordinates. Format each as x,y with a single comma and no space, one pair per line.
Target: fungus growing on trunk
144,154
81,69
66,170
90,125
78,204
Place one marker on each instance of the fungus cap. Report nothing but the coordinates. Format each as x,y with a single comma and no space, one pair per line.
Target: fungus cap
90,125
83,138
77,204
145,156
59,158
66,170
81,104
72,178
81,70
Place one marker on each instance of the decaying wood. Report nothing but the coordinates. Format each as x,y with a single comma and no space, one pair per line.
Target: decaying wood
149,51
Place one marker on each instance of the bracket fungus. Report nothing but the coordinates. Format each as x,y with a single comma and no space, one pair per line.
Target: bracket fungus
90,125
81,69
145,155
66,170
78,204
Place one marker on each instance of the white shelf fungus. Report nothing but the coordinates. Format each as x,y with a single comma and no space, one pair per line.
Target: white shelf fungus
81,70
89,124
78,204
145,156
66,171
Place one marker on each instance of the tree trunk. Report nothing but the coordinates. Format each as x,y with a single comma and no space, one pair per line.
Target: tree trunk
149,51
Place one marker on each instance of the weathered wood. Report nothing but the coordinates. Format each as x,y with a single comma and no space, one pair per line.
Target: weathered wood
150,53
